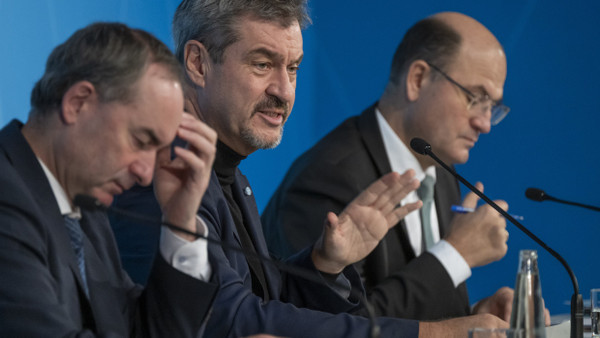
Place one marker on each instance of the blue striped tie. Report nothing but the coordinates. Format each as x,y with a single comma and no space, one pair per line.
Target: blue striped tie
76,236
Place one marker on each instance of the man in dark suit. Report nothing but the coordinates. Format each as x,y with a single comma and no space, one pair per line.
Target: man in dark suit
241,59
445,86
106,109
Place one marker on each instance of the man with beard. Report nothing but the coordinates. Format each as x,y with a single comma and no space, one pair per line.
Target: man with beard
241,59
445,86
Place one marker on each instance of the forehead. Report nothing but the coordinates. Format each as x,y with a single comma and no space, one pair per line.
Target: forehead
255,35
158,104
480,66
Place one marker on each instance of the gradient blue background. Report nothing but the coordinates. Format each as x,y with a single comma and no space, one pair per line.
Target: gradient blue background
549,140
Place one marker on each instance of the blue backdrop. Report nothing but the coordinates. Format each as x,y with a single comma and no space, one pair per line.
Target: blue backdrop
549,140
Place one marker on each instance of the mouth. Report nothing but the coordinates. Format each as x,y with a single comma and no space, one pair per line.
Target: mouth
272,117
119,189
470,140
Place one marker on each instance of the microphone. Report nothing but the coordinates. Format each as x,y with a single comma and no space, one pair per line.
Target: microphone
90,203
422,147
540,195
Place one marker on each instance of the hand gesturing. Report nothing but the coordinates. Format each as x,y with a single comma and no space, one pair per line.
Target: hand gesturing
363,223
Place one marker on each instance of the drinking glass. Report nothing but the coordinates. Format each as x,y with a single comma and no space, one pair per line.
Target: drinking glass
595,311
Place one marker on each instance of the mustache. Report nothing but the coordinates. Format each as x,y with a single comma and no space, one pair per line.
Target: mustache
273,102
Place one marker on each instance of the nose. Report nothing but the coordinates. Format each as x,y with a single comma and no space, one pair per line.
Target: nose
482,123
143,167
282,85
483,117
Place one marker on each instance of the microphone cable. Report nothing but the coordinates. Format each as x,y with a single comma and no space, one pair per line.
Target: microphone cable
90,203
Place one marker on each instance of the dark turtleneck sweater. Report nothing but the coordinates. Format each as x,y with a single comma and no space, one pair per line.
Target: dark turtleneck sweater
225,165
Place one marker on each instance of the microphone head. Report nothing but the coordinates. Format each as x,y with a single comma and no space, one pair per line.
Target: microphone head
536,194
88,203
420,146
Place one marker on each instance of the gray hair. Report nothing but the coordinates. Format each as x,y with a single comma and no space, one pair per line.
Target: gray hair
212,21
111,56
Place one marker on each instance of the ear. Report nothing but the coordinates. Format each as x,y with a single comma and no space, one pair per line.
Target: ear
416,78
196,61
77,99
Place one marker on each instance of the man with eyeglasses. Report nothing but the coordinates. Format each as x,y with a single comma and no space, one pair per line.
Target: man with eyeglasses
446,87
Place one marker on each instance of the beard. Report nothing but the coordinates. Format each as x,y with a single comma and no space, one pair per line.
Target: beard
254,139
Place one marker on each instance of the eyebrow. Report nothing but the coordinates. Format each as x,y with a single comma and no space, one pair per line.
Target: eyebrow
482,90
270,54
154,140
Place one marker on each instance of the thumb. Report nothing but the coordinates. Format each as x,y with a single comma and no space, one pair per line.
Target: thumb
332,220
471,199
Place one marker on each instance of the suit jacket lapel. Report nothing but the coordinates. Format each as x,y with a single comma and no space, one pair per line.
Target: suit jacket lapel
368,128
242,192
24,160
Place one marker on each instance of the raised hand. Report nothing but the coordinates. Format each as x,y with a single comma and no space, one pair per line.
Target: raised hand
480,237
180,183
353,234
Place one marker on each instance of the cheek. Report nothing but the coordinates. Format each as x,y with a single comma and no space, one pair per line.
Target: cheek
292,100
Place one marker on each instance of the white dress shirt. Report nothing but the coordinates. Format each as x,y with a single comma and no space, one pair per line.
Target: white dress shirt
190,258
401,159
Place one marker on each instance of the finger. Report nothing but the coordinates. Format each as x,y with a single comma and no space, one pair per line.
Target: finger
502,204
163,157
471,199
199,144
507,311
189,166
198,129
197,126
388,203
373,191
547,319
198,136
331,221
398,188
399,213
390,199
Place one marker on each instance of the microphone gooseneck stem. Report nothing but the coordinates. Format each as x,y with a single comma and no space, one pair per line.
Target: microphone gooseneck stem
591,207
576,300
512,220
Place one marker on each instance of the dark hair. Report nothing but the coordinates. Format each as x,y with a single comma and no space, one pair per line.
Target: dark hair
429,39
111,56
212,21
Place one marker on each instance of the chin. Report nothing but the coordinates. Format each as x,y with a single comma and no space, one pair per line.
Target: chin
103,197
264,141
462,159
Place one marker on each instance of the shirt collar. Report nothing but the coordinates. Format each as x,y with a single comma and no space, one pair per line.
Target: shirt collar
60,195
400,157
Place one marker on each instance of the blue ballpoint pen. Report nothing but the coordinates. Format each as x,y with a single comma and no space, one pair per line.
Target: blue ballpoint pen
464,210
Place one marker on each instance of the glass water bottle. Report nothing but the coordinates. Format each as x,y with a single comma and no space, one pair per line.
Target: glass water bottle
528,305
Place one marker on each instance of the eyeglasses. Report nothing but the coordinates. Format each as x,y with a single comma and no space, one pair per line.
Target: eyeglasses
483,103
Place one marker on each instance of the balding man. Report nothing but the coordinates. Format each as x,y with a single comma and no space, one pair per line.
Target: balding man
241,58
445,86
